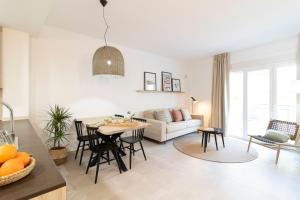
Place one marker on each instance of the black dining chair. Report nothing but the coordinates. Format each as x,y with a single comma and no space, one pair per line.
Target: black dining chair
82,139
137,137
98,149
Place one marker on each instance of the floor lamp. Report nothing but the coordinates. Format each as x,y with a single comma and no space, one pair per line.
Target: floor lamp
193,102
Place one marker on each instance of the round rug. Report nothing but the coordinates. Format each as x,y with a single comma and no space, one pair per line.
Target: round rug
235,150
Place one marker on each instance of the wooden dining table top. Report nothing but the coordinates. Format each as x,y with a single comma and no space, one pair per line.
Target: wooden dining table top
115,127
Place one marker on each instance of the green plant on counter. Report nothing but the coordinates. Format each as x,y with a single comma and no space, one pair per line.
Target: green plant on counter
58,124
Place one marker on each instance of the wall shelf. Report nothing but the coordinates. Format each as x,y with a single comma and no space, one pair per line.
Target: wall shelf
146,91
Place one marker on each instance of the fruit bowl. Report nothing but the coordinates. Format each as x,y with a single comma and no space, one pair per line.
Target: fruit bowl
5,180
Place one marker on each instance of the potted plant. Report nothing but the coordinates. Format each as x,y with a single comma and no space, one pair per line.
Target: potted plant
57,126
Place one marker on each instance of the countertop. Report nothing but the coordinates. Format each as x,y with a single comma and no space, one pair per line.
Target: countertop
44,178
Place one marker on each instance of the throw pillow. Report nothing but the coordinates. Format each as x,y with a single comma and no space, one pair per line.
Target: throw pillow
186,114
276,136
163,115
177,115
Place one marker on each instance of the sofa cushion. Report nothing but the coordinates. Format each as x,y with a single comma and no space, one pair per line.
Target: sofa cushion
177,115
186,114
176,126
149,114
193,123
163,115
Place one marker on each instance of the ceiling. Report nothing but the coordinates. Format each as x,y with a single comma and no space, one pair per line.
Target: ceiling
180,29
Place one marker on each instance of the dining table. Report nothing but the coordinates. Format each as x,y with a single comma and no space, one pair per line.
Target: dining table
110,131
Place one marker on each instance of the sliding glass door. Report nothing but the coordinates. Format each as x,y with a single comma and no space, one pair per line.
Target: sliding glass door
258,95
258,100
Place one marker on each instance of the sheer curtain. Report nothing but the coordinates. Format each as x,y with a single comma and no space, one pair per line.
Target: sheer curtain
220,90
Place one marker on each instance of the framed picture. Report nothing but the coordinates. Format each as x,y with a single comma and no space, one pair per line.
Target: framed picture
176,87
150,81
166,81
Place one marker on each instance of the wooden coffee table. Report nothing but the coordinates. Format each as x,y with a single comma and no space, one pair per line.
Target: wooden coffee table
206,136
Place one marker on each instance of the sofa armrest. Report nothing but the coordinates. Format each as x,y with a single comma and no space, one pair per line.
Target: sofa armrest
201,117
156,130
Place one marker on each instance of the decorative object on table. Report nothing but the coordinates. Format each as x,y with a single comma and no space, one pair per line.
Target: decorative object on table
288,128
176,87
107,59
57,126
166,78
194,101
190,145
129,116
150,81
14,165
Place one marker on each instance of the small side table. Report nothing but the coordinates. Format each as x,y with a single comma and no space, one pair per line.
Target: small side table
206,135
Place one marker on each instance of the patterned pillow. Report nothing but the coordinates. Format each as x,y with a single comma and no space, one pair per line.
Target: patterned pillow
163,115
276,136
177,115
186,114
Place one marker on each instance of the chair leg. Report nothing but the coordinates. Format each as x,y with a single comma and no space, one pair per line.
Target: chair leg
208,137
250,140
77,149
82,150
88,166
107,155
121,145
216,142
223,140
277,154
202,140
130,155
143,150
97,170
133,151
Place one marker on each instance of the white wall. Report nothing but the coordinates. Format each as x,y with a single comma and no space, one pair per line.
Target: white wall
15,72
61,73
200,71
200,83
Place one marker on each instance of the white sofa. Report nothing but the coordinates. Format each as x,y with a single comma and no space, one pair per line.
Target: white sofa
162,131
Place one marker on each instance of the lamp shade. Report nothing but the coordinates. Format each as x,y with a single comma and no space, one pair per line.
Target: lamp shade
108,60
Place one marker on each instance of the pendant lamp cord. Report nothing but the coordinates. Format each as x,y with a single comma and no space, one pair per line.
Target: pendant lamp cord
107,27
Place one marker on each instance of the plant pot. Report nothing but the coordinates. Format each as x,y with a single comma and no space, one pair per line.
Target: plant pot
58,154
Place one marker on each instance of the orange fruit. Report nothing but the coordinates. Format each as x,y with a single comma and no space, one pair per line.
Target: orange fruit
24,157
7,152
11,166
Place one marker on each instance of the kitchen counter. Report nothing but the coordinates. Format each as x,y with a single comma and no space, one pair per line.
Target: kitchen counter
44,178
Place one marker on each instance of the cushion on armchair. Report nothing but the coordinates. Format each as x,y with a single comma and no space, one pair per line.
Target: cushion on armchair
276,136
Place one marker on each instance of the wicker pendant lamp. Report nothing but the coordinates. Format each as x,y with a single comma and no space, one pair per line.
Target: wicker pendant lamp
108,60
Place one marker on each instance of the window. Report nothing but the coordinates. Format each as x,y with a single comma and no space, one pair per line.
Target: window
258,95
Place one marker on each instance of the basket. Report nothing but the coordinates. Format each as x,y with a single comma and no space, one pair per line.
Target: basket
5,180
